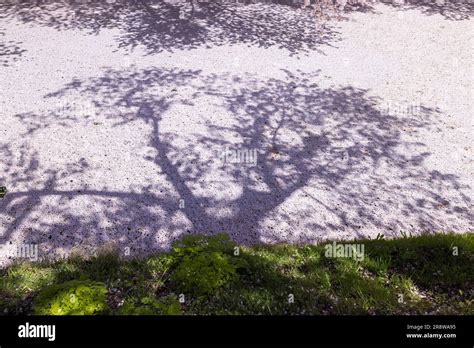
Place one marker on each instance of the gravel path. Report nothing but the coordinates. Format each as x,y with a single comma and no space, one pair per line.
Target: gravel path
118,129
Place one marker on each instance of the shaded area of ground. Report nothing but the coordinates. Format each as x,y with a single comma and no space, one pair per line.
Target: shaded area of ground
168,26
331,151
134,155
449,9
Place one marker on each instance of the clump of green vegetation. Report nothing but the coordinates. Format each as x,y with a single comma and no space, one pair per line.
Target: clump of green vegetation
71,298
204,264
159,268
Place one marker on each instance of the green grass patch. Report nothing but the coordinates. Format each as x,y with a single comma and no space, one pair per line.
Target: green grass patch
429,274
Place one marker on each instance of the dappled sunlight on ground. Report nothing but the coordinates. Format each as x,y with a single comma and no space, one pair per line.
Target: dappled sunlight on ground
288,149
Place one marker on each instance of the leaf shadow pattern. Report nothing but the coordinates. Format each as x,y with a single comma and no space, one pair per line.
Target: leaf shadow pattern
10,51
456,10
159,25
329,164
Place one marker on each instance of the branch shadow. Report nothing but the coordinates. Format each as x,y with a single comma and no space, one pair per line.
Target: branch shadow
329,164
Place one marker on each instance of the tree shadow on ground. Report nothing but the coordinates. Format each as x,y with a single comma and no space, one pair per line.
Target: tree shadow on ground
160,26
450,9
329,164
